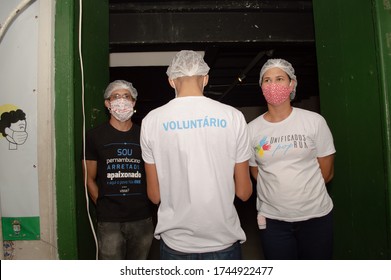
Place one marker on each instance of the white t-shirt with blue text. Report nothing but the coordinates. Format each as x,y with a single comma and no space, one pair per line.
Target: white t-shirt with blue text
195,143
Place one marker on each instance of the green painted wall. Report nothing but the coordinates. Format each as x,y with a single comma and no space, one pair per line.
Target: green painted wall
64,130
75,239
354,96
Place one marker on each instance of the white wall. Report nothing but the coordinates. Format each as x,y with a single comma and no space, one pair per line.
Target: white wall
27,72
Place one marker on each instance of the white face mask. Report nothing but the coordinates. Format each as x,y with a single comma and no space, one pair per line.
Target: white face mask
17,137
122,109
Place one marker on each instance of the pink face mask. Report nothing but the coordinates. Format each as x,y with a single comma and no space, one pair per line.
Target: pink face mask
276,94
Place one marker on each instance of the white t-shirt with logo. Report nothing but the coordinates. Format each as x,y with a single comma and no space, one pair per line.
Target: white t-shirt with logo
290,185
195,143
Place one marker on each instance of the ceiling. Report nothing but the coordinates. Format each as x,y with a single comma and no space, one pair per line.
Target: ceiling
236,36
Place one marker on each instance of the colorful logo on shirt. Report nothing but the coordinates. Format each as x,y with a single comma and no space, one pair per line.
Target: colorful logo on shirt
262,146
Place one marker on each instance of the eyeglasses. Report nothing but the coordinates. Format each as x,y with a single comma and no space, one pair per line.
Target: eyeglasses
119,96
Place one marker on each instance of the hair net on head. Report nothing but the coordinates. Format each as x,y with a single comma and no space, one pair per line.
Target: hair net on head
283,65
120,84
187,63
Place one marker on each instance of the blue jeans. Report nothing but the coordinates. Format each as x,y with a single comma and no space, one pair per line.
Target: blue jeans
305,240
233,252
124,241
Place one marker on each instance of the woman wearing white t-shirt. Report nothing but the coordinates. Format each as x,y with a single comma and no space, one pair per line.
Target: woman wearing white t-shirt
293,159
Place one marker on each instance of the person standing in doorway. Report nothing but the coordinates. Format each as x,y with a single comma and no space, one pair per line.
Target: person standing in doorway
293,159
116,181
196,153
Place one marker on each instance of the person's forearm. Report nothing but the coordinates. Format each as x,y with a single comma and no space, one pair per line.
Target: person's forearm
92,188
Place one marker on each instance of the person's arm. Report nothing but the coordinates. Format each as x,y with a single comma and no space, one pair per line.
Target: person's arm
243,185
153,190
254,172
92,187
326,165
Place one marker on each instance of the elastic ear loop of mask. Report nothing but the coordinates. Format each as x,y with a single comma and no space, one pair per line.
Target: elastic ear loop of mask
84,129
176,93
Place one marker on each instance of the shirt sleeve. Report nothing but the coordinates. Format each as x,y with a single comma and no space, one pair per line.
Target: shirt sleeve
324,139
252,161
243,141
90,149
146,148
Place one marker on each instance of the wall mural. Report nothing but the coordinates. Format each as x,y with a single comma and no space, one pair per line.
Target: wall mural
19,196
13,127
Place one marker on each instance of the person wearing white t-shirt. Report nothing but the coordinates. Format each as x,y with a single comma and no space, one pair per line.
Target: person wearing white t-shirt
196,153
293,159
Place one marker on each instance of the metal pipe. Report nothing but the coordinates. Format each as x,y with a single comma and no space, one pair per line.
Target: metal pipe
12,16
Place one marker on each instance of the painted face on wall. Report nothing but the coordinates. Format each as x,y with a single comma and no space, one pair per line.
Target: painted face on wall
19,134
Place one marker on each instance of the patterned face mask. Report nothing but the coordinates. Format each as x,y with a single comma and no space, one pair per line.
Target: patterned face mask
276,94
122,109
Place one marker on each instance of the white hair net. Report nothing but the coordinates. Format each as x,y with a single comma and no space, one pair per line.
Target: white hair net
120,84
283,65
187,63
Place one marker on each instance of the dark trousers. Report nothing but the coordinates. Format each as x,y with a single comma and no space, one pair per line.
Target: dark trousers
305,240
233,252
125,241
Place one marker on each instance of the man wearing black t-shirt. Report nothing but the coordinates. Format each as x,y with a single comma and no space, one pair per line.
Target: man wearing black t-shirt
116,179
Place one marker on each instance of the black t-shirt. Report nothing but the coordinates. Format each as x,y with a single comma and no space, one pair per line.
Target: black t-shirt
120,175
